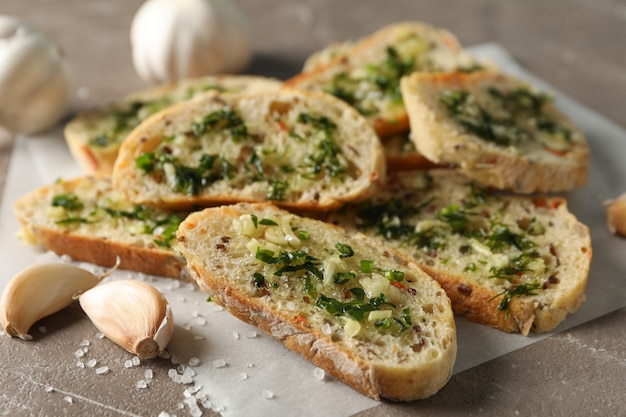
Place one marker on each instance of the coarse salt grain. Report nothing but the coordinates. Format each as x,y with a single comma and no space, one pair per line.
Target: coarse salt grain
102,370
136,361
43,329
80,365
198,338
252,335
165,355
319,373
128,364
236,335
200,321
148,374
68,399
85,342
326,329
268,395
193,361
141,384
219,363
250,365
79,353
100,336
49,388
243,375
91,363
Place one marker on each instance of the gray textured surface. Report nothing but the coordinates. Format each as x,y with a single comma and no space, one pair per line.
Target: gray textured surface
578,46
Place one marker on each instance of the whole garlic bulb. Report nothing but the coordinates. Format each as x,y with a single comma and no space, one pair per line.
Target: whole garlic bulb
175,39
34,81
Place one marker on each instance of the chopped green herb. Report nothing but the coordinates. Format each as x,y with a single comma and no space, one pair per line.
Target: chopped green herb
67,201
221,120
259,280
345,251
366,266
516,291
268,222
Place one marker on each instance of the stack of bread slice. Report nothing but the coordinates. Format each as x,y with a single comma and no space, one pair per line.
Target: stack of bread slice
302,223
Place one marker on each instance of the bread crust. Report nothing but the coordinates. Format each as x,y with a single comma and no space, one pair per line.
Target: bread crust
466,270
443,52
389,376
88,124
523,170
98,246
271,116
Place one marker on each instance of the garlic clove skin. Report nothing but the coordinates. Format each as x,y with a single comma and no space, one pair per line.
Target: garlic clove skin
132,314
172,40
34,78
39,291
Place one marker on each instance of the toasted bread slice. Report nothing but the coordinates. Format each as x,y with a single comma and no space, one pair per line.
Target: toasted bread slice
94,136
367,76
512,262
88,221
497,129
351,305
303,150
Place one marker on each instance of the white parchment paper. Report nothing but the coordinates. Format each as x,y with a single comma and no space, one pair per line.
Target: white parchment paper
242,372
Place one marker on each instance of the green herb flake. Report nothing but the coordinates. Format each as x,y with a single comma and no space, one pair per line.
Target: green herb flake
68,201
345,251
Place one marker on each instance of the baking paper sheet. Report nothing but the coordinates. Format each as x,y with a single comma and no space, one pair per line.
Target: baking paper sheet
244,372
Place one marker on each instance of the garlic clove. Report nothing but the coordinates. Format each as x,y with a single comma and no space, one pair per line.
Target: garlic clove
132,314
616,215
39,291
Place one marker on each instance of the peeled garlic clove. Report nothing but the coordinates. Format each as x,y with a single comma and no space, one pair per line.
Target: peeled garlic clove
132,314
616,215
39,291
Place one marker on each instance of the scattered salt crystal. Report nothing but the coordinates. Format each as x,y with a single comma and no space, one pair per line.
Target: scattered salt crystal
326,329
164,414
250,365
236,335
267,394
2,333
68,399
243,375
182,299
291,305
186,326
43,329
91,363
195,314
194,410
174,360
200,321
148,374
102,370
181,368
80,364
128,364
79,353
85,342
219,363
180,406
319,373
100,335
189,372
49,388
193,361
165,355
141,384
252,335
171,373
199,338
186,379
136,361
206,403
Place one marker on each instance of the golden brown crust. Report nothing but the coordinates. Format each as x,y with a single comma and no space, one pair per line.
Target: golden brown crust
99,251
